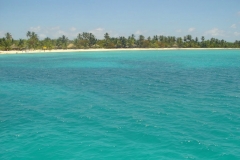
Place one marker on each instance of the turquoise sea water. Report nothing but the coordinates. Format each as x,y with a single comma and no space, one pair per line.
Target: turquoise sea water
120,105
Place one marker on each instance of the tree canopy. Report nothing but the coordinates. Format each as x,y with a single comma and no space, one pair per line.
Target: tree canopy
87,40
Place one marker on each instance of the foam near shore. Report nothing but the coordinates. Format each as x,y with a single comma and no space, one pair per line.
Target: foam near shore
97,50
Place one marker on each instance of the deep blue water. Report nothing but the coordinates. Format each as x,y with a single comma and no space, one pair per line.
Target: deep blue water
120,105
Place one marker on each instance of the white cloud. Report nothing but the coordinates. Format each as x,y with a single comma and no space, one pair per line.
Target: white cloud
98,32
53,32
35,29
179,31
144,33
73,29
138,32
215,32
233,26
99,29
236,33
71,33
191,29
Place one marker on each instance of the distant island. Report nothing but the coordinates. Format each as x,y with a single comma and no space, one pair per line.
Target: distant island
89,41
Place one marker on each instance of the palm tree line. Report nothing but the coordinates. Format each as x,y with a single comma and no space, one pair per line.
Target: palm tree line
88,40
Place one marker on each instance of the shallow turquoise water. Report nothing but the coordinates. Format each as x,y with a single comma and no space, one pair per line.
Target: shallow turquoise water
120,105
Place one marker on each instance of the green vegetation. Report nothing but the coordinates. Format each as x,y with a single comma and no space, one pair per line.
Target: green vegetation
88,40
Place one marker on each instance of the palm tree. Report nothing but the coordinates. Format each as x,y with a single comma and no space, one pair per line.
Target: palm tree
33,39
189,37
106,36
196,39
29,34
133,36
123,41
64,41
92,40
131,41
179,42
155,38
47,43
161,38
21,44
106,40
8,36
149,38
141,40
7,41
185,38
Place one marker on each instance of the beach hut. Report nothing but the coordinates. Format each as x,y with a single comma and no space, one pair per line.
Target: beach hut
14,47
71,46
175,45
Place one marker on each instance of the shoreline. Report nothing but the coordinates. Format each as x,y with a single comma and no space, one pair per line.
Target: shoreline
99,50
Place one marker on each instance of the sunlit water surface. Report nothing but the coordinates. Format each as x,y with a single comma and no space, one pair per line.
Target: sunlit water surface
120,105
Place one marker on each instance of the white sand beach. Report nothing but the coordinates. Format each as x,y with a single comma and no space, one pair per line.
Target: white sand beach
101,50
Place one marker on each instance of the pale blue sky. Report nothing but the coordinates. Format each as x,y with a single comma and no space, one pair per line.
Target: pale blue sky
53,18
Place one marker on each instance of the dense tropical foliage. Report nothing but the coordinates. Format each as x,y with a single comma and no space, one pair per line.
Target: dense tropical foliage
88,40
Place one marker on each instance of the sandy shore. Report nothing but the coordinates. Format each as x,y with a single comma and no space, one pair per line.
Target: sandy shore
97,50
